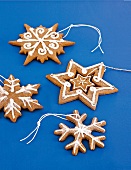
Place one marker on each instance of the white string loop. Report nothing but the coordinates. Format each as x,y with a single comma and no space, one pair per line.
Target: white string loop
35,131
118,69
85,25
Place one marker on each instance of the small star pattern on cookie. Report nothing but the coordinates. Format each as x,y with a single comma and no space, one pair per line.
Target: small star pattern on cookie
13,98
83,83
81,132
41,43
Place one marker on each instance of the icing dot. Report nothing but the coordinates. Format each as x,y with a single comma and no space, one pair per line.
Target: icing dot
92,88
84,71
97,79
63,97
79,91
67,84
70,74
31,29
30,53
93,104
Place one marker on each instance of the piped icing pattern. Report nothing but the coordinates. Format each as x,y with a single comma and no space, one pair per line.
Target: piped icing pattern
13,98
83,83
81,132
41,43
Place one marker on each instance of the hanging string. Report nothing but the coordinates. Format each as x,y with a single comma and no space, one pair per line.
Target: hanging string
2,78
85,25
118,69
35,131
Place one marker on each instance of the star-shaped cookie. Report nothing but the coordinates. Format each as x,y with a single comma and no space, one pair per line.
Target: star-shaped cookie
83,83
41,43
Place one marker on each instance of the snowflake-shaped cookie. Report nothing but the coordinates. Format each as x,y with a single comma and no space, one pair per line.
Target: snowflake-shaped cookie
81,132
41,43
13,98
83,83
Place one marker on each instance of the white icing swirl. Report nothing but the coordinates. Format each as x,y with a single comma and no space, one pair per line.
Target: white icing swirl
54,35
27,35
39,31
54,45
27,46
42,51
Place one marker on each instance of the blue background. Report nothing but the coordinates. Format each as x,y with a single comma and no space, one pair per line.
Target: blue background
113,18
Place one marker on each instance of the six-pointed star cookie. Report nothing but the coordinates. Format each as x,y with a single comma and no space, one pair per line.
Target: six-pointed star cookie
13,98
87,84
41,43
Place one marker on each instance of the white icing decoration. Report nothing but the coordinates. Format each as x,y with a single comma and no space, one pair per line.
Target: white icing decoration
28,100
3,98
86,98
70,74
86,68
87,83
2,91
12,83
69,70
96,79
67,84
92,89
99,73
27,35
79,91
84,71
12,107
55,76
27,89
53,43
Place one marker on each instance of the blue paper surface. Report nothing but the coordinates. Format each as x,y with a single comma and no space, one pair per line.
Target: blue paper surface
113,18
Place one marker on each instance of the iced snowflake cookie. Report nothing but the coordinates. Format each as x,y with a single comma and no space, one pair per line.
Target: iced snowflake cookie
41,43
81,132
13,98
83,83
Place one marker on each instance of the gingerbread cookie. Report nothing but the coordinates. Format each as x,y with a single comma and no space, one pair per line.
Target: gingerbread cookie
81,132
85,84
13,98
41,43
